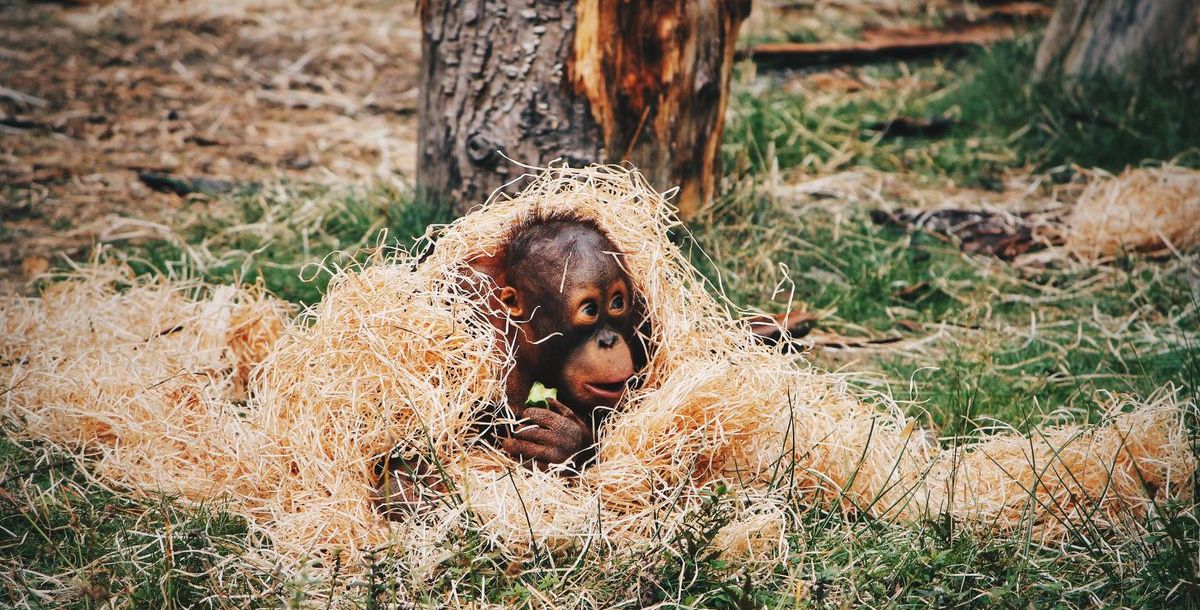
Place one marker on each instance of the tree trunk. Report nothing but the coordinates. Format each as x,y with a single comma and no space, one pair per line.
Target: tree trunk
583,81
1120,38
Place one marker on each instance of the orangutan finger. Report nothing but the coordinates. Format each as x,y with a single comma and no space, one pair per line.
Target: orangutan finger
546,418
528,450
565,411
539,435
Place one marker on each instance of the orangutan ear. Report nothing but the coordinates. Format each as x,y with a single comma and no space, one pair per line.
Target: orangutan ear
511,300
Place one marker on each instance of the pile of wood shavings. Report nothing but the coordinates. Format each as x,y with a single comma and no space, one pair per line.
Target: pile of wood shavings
1152,210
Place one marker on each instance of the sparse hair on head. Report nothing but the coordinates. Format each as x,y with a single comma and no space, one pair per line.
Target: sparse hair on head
540,226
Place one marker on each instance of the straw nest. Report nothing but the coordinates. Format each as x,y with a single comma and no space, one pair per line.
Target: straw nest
216,392
1149,210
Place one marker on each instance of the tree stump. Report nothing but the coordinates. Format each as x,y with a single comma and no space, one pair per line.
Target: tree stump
583,81
1120,38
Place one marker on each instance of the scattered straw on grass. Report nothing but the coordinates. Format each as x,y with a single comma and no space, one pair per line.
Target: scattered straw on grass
143,376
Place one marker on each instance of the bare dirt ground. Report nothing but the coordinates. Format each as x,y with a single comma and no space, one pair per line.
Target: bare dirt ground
242,91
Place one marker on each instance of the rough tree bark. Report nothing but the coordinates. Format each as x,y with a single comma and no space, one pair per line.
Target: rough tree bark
1120,38
583,80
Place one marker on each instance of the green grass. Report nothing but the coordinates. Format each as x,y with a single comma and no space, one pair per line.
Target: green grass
877,281
991,367
85,548
1119,337
1006,120
290,238
1101,122
820,132
865,277
80,546
874,282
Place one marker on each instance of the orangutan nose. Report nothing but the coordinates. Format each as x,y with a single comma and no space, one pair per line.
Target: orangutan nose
608,338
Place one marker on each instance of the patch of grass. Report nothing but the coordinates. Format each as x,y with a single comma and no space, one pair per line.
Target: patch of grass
1025,346
1024,384
1021,343
823,131
67,544
1006,119
1103,122
837,260
289,237
1069,354
827,560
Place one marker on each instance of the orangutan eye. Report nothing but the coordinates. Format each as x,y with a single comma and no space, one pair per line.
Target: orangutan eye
618,303
589,309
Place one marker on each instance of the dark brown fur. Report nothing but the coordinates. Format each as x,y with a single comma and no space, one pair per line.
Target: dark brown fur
572,320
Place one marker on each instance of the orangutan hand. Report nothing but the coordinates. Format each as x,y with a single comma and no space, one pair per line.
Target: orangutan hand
550,436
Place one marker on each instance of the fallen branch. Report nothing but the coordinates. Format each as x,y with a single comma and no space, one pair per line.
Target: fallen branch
913,127
880,45
772,329
184,185
835,341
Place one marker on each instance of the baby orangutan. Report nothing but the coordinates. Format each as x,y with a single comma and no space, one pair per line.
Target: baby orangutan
560,280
